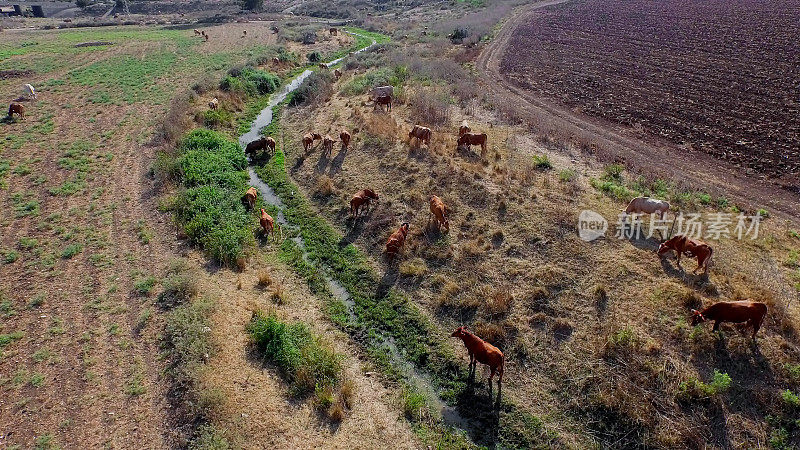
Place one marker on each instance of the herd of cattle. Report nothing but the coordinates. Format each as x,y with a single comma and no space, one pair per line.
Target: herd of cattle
750,313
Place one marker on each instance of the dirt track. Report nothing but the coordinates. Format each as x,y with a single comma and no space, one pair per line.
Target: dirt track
641,152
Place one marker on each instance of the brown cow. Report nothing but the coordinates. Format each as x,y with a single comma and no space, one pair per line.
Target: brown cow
16,108
327,144
214,103
323,66
345,137
361,199
383,100
397,240
197,32
261,143
206,37
692,248
438,209
267,224
337,73
469,139
751,313
244,33
464,128
308,140
276,60
482,352
423,134
250,197
333,31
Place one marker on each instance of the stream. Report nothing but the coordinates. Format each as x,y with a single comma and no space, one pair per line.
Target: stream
422,383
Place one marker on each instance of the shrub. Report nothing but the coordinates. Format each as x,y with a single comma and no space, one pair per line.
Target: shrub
542,162
318,87
143,286
210,209
250,81
179,287
693,388
613,172
430,106
307,363
71,250
566,175
314,57
217,117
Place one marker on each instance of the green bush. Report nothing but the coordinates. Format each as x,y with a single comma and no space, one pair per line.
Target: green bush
308,364
250,81
790,399
566,175
693,388
317,87
314,57
210,209
216,117
542,162
362,84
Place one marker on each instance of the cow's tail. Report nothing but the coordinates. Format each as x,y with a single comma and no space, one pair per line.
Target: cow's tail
710,261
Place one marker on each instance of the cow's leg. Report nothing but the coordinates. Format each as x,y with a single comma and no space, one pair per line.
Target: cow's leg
716,325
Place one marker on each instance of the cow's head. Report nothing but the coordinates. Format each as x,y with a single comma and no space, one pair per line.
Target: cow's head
460,332
404,228
697,317
664,248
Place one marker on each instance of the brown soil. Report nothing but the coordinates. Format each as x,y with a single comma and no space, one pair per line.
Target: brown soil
641,151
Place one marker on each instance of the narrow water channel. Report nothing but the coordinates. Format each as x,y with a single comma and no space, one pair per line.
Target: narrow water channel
423,384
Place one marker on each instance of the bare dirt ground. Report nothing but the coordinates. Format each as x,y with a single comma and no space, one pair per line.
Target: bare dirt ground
641,151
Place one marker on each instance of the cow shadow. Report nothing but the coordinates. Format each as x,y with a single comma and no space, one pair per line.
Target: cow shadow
645,243
465,151
698,282
478,408
337,162
322,163
389,278
356,228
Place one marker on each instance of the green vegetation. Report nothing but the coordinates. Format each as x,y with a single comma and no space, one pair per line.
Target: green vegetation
144,286
308,363
694,389
542,162
210,209
566,175
361,84
8,338
71,250
250,81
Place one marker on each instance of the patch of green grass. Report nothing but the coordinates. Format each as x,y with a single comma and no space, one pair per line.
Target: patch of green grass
25,204
144,286
45,442
7,309
790,399
210,209
41,355
566,175
27,243
36,301
37,380
134,387
8,338
694,389
250,81
542,162
71,250
309,364
9,256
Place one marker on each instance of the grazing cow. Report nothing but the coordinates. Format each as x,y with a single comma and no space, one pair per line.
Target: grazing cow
276,60
382,91
383,100
258,144
250,197
274,29
333,31
16,108
244,33
470,139
271,144
752,313
397,240
327,144
206,36
323,66
337,73
29,92
464,128
361,199
214,103
438,209
267,224
647,205
423,134
482,352
308,140
692,248
345,138
197,32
